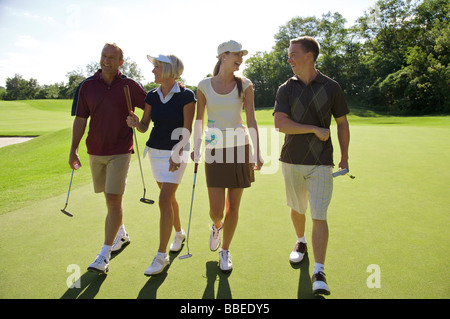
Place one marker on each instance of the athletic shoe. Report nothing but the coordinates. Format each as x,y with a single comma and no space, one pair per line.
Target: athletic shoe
177,243
225,263
298,253
157,266
100,265
121,241
214,238
319,282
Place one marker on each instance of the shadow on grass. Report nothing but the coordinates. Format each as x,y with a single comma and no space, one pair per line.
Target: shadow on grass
304,282
223,290
150,289
89,282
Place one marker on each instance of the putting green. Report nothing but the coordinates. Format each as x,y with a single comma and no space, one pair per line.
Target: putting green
393,215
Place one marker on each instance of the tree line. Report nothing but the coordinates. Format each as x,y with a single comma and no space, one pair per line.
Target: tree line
18,88
395,59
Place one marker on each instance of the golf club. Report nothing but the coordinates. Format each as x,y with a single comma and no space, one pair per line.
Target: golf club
342,172
190,213
67,200
126,89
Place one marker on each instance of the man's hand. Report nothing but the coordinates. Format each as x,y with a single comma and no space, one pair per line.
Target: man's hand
74,161
343,165
322,134
132,120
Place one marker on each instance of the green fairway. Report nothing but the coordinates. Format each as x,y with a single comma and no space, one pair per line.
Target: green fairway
36,117
394,215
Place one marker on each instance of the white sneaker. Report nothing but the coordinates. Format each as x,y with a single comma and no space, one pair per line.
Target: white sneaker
177,243
121,241
319,282
225,263
214,238
298,253
157,266
100,265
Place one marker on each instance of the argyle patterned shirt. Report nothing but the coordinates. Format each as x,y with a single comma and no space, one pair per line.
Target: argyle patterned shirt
312,104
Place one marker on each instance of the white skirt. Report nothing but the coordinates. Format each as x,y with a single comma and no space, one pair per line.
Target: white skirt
159,162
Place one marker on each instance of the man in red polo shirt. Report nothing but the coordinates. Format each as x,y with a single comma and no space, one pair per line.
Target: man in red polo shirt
109,142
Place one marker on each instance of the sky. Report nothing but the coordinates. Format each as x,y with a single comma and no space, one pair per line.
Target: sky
46,39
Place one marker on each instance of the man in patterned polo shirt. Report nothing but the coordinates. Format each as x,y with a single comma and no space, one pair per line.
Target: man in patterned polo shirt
303,109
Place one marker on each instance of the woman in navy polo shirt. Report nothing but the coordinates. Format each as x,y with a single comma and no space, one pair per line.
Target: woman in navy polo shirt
171,108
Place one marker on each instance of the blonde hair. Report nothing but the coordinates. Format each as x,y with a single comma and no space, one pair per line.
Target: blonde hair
171,70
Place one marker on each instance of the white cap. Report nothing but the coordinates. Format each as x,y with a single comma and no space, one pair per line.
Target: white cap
230,46
160,58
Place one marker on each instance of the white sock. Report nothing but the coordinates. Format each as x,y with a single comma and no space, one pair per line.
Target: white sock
106,251
164,255
301,239
318,267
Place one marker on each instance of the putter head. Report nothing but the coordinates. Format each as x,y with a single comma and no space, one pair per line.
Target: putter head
147,201
185,256
66,212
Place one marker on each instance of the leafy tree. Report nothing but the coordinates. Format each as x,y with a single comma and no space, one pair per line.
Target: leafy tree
396,55
75,78
17,88
268,70
2,93
49,91
129,68
408,50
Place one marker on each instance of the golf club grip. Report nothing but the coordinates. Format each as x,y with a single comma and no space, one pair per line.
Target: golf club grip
195,168
126,89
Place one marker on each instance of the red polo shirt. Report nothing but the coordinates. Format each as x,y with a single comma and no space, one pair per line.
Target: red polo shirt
106,105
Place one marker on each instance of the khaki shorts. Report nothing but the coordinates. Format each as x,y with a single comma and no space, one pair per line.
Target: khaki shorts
308,183
109,173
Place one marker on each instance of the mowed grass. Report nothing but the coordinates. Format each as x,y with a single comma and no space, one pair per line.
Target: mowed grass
393,215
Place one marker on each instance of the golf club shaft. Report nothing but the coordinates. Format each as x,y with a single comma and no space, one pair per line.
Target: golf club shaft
67,200
70,185
126,90
139,158
192,201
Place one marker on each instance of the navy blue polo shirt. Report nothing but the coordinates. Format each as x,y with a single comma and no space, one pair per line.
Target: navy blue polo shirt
167,117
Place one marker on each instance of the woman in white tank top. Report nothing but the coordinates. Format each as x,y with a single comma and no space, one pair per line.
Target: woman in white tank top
228,167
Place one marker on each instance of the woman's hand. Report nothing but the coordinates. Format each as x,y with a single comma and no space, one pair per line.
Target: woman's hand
173,166
259,163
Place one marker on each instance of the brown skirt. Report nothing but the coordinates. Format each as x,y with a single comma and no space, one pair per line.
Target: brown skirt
229,167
